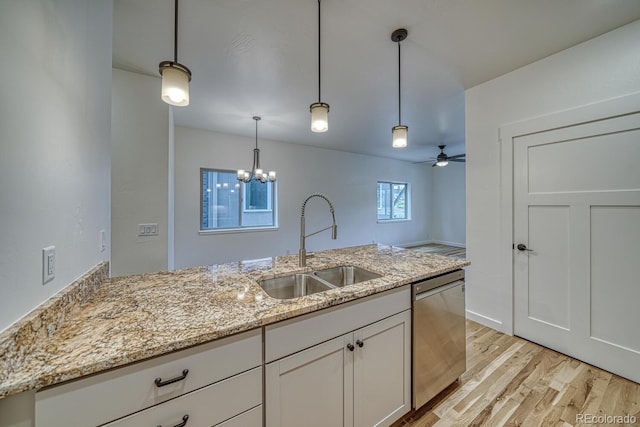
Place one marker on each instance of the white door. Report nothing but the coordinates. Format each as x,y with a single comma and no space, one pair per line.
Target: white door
577,212
382,371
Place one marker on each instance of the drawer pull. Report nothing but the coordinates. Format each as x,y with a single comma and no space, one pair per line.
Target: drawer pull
183,423
161,383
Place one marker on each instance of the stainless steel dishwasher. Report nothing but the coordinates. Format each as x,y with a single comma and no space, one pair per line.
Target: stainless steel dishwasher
439,347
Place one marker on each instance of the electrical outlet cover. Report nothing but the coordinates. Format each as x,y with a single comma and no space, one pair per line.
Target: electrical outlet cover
48,264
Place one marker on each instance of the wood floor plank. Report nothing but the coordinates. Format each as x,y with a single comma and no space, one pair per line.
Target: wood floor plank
476,378
512,382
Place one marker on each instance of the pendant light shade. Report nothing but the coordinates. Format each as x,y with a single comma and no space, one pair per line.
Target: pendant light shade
399,136
175,83
175,76
319,117
400,133
319,110
256,174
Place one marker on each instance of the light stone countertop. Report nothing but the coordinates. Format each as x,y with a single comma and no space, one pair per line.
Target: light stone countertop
137,317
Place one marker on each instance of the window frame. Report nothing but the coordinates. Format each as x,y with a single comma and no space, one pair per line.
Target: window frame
407,208
272,202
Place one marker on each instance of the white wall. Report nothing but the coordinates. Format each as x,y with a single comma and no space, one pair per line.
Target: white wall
349,180
602,68
139,173
448,204
54,143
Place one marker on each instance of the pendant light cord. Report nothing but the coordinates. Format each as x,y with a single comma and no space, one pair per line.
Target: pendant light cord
175,33
399,90
319,58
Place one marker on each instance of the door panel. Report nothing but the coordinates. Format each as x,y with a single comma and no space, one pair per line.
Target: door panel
590,161
615,275
309,388
381,382
548,282
577,206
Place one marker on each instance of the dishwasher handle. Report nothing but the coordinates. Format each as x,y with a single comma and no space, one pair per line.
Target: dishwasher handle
437,290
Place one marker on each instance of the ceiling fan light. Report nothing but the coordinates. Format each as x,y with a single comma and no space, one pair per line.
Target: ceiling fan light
319,117
442,163
175,83
399,136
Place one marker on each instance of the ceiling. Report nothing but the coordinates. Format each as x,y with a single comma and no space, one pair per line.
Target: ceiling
259,57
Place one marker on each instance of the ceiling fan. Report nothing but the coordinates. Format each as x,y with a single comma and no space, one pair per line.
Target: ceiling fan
443,159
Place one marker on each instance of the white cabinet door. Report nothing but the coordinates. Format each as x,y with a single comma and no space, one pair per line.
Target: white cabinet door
382,371
309,388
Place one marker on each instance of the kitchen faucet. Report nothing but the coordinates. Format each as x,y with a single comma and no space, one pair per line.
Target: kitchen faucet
302,253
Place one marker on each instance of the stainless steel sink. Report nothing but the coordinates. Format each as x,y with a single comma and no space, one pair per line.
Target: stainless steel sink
293,286
345,275
301,284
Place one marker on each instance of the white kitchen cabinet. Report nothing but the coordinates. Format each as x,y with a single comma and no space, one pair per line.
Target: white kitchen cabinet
382,371
309,388
359,379
185,377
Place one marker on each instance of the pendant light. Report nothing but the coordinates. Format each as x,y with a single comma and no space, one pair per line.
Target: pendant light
319,110
399,133
256,173
175,76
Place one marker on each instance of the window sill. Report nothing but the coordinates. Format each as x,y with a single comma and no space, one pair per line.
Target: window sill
236,230
387,221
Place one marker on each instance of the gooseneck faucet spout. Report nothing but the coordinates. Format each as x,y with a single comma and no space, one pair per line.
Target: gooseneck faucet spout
302,254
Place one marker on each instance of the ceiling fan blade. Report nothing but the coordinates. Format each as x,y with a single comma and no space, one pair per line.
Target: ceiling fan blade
456,160
456,156
433,165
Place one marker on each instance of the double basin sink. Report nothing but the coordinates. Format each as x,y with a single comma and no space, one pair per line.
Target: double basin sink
301,284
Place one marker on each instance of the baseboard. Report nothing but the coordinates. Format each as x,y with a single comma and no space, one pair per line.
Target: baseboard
414,244
426,242
486,321
444,242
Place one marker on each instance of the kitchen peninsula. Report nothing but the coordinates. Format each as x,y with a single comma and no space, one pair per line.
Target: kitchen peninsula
134,318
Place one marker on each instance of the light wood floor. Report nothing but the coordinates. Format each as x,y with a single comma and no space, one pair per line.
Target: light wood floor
440,249
513,382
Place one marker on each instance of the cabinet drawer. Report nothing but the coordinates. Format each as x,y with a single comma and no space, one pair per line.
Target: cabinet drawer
104,397
205,407
287,337
251,418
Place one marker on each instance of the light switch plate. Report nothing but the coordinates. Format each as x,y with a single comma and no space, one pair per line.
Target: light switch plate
48,264
150,229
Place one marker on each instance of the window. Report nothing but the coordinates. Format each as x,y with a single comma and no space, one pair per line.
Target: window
227,204
393,201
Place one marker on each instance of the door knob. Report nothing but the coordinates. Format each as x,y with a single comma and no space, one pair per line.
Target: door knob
522,247
350,347
360,343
